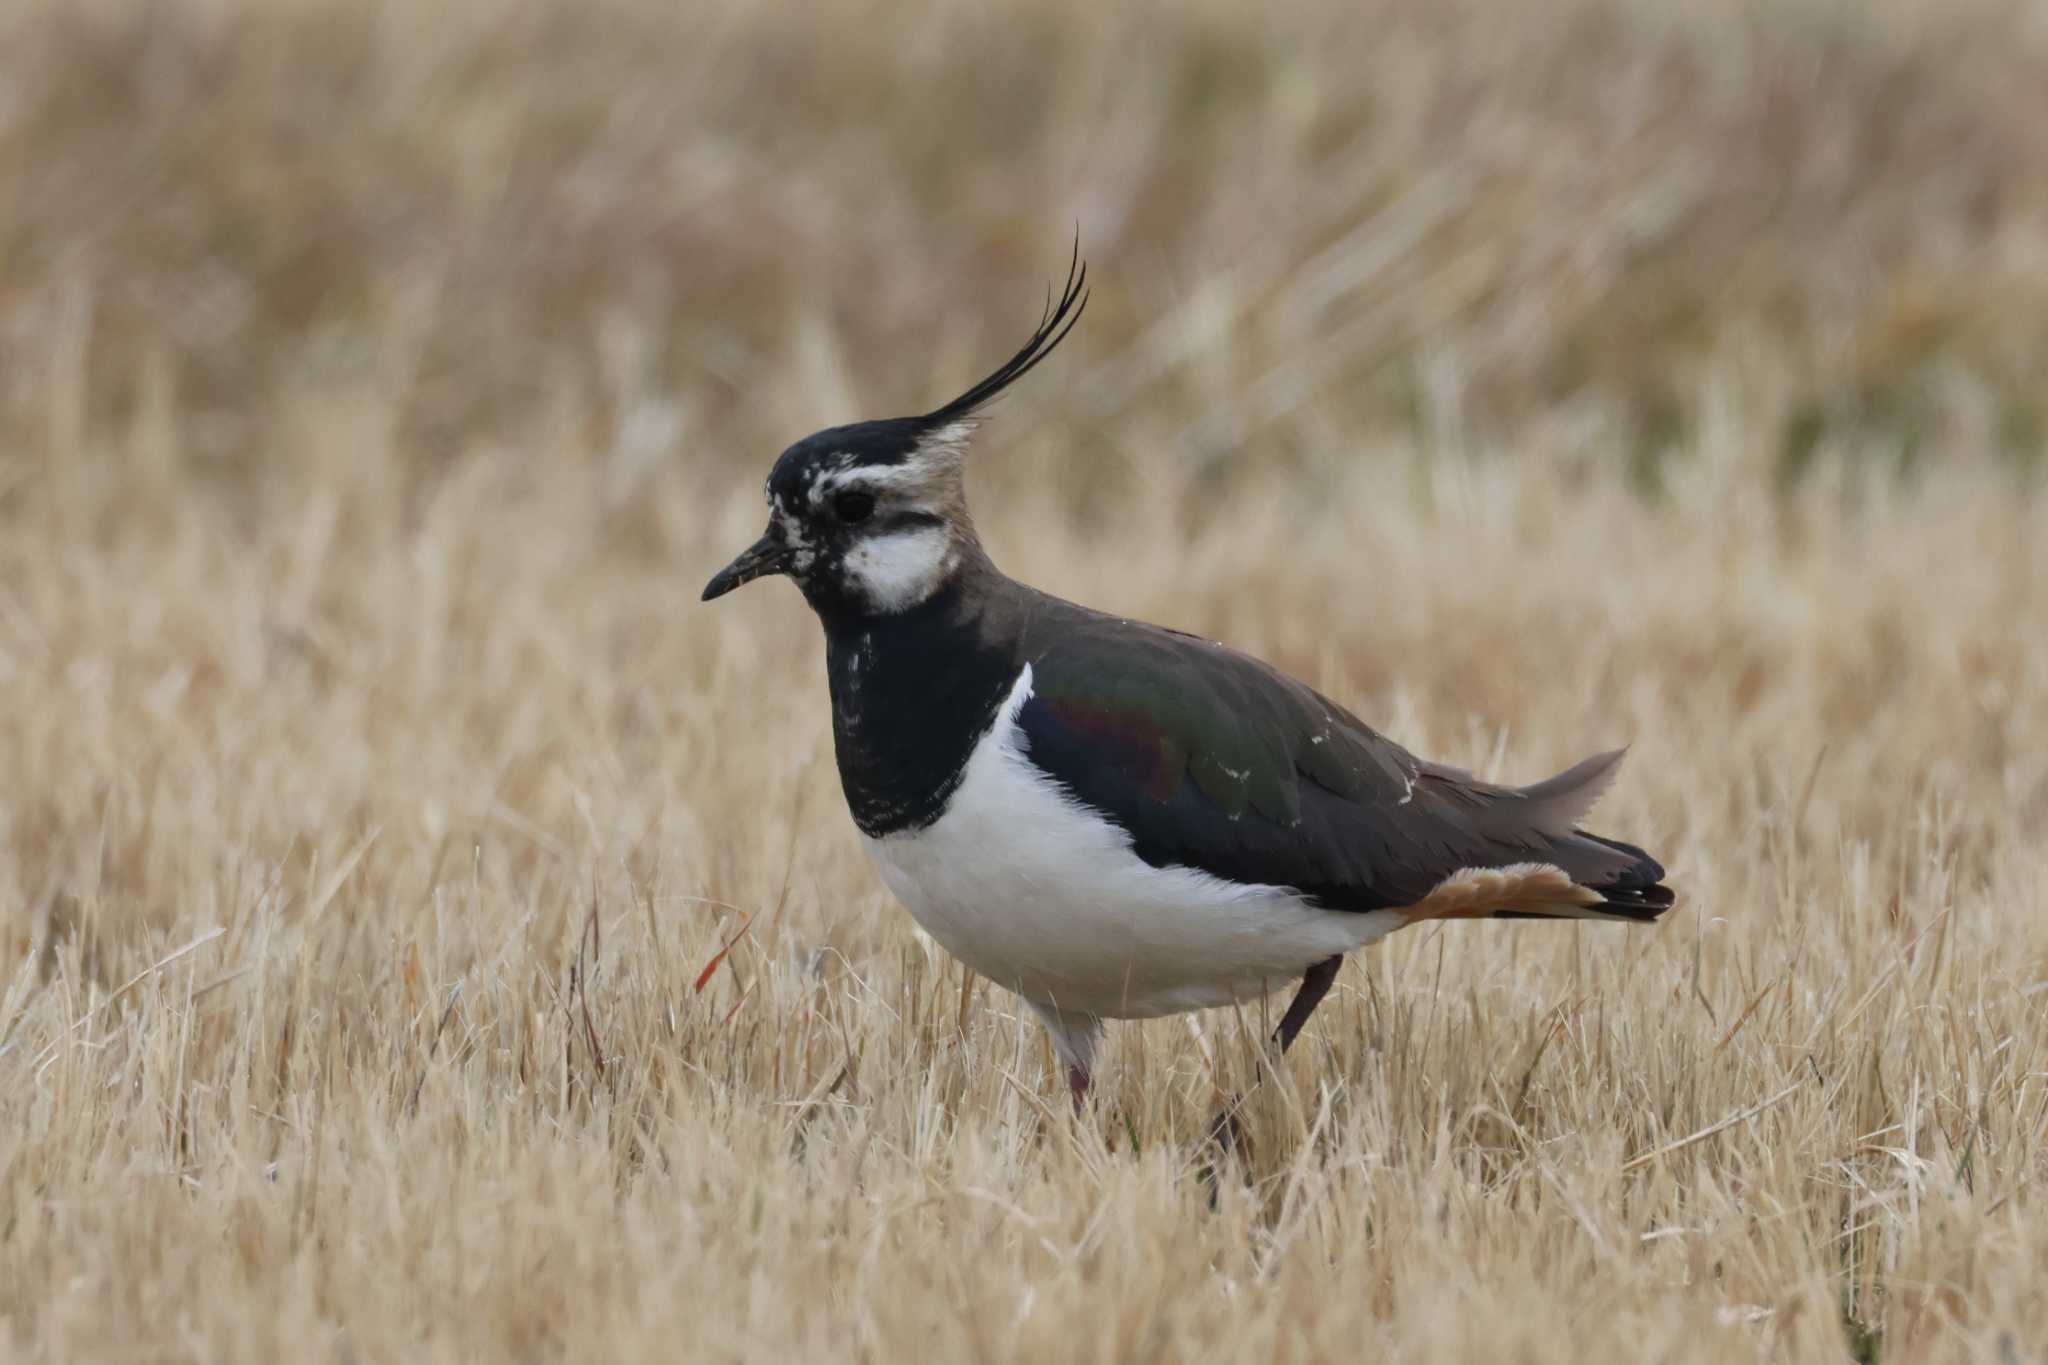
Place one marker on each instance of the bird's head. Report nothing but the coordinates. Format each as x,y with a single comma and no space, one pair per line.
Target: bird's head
871,519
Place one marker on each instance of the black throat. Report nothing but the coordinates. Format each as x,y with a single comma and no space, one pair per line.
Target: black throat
912,694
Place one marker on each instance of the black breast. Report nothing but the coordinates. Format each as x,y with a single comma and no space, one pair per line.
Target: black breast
912,694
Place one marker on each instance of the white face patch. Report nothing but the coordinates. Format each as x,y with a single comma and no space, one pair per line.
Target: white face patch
895,572
892,550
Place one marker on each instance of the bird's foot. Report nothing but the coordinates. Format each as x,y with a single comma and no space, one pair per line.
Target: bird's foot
1077,1085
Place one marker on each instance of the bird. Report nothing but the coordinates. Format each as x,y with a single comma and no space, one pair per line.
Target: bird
1118,820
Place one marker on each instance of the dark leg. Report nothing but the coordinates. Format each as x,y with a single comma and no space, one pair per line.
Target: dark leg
1315,984
1077,1085
1227,1138
1225,1133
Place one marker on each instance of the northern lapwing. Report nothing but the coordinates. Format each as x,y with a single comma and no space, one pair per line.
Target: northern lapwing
1117,820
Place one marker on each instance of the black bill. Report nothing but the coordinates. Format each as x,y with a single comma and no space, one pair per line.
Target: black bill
765,556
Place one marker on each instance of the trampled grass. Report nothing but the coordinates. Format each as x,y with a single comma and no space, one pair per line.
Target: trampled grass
430,934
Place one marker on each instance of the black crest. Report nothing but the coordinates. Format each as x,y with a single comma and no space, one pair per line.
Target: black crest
1058,320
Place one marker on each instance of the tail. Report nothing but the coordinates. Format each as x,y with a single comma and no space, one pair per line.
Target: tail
1564,872
1638,892
1545,890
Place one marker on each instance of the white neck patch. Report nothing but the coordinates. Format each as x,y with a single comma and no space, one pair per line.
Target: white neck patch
896,572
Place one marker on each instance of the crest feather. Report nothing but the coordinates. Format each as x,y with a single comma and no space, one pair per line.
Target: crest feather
1053,326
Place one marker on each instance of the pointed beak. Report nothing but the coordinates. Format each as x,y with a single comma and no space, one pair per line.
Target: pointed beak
765,556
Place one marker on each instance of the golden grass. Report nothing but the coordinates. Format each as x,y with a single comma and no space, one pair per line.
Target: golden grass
376,394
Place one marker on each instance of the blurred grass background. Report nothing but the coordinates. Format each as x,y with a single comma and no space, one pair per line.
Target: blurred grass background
1462,220
379,382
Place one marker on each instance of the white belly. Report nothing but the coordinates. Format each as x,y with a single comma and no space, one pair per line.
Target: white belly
1038,893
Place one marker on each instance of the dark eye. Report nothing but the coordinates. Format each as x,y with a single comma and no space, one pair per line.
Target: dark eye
853,508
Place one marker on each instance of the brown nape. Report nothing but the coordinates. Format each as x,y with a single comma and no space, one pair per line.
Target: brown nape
944,495
950,504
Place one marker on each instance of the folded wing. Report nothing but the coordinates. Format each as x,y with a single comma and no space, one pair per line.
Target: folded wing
1212,760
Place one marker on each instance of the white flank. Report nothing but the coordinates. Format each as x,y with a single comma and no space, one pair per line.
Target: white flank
1038,893
896,572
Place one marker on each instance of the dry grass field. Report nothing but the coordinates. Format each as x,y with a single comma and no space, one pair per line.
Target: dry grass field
431,935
